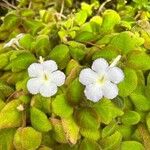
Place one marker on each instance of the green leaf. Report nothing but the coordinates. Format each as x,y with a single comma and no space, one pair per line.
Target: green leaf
10,22
93,134
120,41
42,45
109,53
4,57
126,131
6,139
58,131
60,54
26,41
109,129
71,130
89,145
32,26
112,142
39,120
10,117
6,89
87,118
75,92
27,139
77,50
102,108
140,102
138,60
22,61
71,65
42,103
131,145
110,19
80,17
61,107
129,84
130,118
85,36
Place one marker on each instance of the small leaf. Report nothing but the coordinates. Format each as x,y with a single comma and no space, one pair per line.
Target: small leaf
6,139
22,61
75,92
60,54
109,53
138,60
102,108
89,145
110,19
93,134
77,50
71,130
112,142
87,118
6,89
61,107
130,118
85,36
80,17
140,102
27,138
58,131
126,131
32,26
129,84
42,45
39,120
131,145
109,129
26,41
10,117
126,41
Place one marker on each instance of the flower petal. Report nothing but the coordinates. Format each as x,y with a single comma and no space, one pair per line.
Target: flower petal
110,90
34,85
58,77
35,70
115,75
48,89
99,65
49,65
93,92
87,76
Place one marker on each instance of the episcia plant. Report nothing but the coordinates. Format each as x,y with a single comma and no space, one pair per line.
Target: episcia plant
74,75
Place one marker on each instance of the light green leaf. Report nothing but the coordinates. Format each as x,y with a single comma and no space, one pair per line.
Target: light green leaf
27,139
138,60
10,117
131,145
61,107
130,118
102,108
39,120
71,130
129,84
140,102
61,55
112,142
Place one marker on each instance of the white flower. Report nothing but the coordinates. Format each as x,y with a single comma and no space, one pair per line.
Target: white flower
44,78
101,80
14,41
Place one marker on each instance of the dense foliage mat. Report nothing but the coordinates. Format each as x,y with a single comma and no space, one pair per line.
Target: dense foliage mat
74,33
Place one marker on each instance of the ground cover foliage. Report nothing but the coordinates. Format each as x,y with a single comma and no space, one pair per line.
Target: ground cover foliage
74,33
